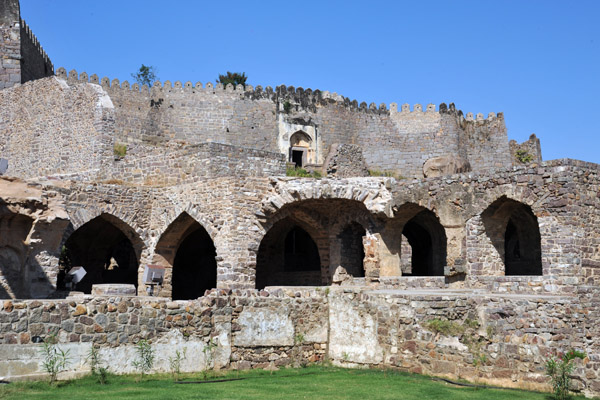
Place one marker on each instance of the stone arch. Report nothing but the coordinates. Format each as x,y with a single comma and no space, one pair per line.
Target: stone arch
187,252
427,239
521,194
513,230
107,247
425,235
278,262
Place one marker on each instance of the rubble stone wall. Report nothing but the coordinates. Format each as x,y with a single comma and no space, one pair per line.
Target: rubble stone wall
497,339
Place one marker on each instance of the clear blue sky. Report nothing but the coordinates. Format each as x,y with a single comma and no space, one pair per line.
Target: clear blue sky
536,61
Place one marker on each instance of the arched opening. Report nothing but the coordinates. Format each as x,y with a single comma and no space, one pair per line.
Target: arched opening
427,240
299,148
352,249
105,252
195,266
289,256
188,253
514,231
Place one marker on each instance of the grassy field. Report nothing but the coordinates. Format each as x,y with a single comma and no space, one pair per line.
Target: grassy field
306,383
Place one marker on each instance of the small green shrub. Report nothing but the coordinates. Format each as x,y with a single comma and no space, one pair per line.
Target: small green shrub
100,372
471,323
444,327
301,173
209,357
145,357
287,107
55,359
523,156
559,371
120,150
175,363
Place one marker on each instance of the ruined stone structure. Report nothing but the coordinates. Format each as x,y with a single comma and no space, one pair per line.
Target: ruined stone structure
420,214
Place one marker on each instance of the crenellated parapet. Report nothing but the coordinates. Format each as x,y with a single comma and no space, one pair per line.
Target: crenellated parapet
27,35
296,96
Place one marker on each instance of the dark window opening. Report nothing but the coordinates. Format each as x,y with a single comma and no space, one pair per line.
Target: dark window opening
297,157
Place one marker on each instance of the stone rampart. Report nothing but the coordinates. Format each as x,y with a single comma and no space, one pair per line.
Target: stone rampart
35,63
392,140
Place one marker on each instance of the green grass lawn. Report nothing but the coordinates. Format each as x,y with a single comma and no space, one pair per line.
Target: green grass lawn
305,383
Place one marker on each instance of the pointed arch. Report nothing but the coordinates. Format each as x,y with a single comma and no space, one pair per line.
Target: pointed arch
108,249
187,252
513,229
426,237
289,255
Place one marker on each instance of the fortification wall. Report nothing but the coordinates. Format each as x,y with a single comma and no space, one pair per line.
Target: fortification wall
397,142
490,335
174,166
10,48
187,114
35,63
47,128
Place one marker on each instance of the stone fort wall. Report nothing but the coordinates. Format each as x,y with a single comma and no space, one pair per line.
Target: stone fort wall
22,57
398,141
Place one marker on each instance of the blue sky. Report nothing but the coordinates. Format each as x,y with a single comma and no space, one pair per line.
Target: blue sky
536,61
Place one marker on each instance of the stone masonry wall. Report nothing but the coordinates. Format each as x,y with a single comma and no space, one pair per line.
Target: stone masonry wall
250,329
528,152
497,339
48,128
398,142
10,48
35,63
175,166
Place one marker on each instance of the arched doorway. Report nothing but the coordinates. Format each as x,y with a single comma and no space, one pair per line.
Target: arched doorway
514,231
188,253
106,253
299,149
288,256
427,240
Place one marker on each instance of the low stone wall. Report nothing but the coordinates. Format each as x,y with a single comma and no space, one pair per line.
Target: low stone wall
503,339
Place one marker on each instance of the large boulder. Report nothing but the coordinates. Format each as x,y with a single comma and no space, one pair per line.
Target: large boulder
445,165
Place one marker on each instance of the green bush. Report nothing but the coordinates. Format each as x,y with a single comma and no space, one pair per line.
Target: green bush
445,327
559,371
302,173
120,150
145,357
523,156
55,359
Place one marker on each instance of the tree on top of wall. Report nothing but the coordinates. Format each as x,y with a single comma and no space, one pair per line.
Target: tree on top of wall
146,75
235,78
